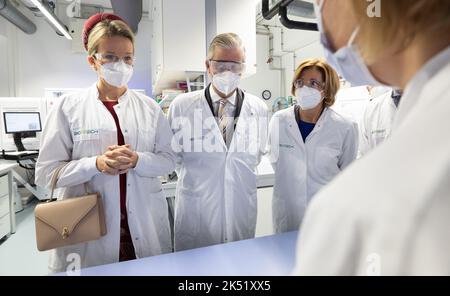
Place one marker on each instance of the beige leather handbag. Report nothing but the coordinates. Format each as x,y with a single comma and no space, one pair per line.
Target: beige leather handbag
69,221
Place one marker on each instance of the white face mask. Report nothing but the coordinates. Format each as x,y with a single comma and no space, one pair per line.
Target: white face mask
308,98
116,74
347,60
226,82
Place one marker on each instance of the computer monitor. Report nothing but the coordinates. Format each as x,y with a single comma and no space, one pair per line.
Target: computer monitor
22,125
22,122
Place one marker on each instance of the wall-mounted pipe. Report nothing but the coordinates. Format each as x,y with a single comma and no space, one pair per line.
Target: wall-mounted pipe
271,59
266,31
269,13
13,15
301,8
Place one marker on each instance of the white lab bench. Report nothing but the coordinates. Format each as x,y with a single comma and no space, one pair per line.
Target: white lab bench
7,213
264,256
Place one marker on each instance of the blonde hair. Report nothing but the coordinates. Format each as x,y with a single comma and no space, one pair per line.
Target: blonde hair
225,40
401,21
330,78
108,28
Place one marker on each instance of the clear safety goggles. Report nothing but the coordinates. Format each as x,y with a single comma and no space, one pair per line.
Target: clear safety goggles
218,66
106,58
313,83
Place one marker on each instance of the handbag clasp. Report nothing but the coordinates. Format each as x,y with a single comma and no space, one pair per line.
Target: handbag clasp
65,232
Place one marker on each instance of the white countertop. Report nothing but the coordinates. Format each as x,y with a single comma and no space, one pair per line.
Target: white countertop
6,166
264,256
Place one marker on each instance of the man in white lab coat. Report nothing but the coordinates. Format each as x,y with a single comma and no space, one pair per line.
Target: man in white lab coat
220,137
377,121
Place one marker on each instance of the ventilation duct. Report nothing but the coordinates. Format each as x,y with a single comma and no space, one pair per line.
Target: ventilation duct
301,9
130,11
284,8
13,15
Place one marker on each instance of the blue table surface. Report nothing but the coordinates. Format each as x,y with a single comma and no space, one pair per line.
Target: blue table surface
264,256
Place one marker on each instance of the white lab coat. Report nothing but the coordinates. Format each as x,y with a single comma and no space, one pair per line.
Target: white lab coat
378,91
78,129
377,121
303,168
388,213
216,192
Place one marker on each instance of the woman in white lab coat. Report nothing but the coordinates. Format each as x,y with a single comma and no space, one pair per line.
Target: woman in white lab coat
309,144
389,213
118,142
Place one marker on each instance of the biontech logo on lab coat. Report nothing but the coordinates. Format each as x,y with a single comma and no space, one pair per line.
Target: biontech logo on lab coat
85,132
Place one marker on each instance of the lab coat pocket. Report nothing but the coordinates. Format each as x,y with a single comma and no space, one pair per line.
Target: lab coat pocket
155,189
86,137
326,163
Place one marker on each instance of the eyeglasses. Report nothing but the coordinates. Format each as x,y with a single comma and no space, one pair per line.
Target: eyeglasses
106,58
299,83
219,66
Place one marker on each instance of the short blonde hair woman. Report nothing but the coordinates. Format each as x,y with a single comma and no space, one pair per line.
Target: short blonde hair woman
309,144
330,79
389,213
116,141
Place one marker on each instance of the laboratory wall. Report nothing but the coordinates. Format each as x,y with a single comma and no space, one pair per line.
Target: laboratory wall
45,60
265,78
5,65
288,49
297,46
238,16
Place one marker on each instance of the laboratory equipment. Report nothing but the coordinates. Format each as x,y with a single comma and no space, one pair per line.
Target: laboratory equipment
22,125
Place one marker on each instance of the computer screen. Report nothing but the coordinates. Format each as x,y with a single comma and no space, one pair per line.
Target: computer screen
19,122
